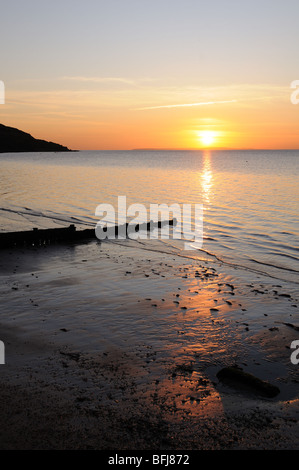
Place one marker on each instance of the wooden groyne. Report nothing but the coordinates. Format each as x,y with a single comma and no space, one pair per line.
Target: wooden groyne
38,237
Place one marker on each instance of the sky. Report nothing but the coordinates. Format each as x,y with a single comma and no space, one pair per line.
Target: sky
124,74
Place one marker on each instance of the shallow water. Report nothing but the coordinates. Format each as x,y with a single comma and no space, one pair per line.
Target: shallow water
250,198
103,298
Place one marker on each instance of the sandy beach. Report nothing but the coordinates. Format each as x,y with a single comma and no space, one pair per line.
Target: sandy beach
108,346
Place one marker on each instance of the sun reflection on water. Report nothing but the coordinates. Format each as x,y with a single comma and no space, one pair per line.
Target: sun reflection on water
206,177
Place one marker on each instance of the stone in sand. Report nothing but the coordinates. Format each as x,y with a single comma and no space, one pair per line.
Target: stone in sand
236,376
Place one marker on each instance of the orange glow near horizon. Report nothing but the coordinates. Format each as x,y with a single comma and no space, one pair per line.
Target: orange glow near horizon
113,120
159,81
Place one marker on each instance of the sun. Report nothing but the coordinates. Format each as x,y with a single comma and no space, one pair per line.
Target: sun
207,138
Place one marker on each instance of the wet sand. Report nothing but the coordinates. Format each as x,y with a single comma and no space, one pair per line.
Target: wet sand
114,347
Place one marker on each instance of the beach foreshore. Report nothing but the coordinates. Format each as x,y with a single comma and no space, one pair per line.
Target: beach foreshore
112,346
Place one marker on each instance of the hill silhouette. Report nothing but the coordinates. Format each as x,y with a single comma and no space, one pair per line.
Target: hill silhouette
14,140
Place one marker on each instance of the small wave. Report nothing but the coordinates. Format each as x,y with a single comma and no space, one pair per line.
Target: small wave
174,251
286,255
273,265
285,233
262,235
25,212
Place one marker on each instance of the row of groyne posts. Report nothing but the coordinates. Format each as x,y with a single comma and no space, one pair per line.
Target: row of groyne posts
38,237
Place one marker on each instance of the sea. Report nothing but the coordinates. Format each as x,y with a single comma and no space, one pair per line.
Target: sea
249,199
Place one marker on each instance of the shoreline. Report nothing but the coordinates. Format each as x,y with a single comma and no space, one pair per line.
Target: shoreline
111,347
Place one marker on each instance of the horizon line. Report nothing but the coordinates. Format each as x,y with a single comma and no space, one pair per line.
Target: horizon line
168,149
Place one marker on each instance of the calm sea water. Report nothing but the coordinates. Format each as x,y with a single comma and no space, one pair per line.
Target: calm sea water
250,198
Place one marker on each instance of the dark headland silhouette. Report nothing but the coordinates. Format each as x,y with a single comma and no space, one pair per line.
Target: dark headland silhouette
14,140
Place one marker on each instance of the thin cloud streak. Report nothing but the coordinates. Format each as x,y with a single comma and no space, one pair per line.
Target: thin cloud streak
206,103
100,79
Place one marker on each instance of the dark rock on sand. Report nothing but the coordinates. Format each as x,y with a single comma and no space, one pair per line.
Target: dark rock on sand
236,377
296,328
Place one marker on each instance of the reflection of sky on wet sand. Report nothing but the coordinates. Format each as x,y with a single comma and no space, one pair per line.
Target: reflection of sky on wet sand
68,291
180,322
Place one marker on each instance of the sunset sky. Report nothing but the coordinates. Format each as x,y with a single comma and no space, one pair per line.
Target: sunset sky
123,74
